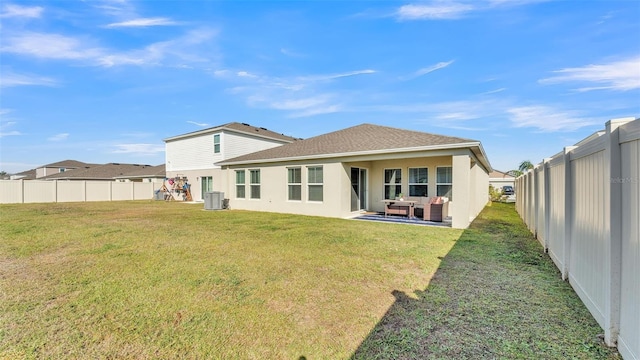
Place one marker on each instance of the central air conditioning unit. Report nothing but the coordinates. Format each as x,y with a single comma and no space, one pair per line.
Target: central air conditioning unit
213,200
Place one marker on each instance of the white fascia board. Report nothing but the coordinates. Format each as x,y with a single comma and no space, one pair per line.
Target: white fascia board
222,129
194,133
354,153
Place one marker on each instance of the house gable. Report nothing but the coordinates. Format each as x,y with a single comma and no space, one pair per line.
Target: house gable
202,149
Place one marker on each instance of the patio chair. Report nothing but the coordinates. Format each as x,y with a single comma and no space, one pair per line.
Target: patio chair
436,209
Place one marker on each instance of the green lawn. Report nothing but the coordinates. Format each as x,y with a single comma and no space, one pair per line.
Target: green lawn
169,280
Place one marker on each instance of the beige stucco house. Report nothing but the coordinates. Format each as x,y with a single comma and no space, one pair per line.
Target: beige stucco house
343,173
499,179
194,155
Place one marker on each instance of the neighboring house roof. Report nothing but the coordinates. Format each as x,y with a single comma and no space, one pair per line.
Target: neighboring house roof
66,164
495,174
98,172
25,175
239,128
145,171
360,140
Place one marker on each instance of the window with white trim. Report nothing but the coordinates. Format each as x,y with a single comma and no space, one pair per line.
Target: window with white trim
315,183
392,183
294,183
216,143
240,184
254,181
418,181
444,182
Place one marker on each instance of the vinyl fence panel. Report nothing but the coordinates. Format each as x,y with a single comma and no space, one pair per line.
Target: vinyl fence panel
98,190
587,271
43,191
583,205
11,191
142,191
37,191
629,338
557,220
71,191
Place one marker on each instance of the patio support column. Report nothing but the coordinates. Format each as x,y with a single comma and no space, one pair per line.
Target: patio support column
461,192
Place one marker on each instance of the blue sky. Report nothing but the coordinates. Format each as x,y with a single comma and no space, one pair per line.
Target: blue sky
106,81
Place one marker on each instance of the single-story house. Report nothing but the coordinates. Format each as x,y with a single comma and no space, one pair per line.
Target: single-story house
499,179
144,173
346,172
105,172
193,155
50,169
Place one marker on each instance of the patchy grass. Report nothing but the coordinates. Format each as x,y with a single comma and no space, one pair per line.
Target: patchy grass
169,280
495,295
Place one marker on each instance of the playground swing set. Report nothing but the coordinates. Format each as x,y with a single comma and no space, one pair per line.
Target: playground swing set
178,187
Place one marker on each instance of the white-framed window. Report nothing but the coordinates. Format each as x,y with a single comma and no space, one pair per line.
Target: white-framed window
240,184
254,181
392,183
294,183
315,183
444,182
216,143
418,181
61,170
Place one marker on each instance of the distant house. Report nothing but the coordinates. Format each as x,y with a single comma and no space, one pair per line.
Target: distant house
105,172
144,173
499,179
343,173
50,169
194,155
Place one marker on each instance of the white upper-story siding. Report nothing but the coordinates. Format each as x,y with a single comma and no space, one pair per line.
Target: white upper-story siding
197,152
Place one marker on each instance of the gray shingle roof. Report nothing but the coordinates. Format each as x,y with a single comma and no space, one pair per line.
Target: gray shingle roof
68,164
361,138
146,171
238,127
98,172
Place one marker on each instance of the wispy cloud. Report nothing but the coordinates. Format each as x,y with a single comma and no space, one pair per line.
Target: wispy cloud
291,53
59,137
180,50
198,124
48,46
451,10
143,22
436,10
429,69
5,126
549,119
10,79
493,91
12,10
299,96
138,149
622,75
174,52
336,76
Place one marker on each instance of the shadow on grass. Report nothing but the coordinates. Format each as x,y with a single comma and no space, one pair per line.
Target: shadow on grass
495,295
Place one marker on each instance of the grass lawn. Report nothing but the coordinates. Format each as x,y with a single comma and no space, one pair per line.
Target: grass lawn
169,280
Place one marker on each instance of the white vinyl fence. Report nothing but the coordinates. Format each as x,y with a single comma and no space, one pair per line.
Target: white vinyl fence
43,191
583,206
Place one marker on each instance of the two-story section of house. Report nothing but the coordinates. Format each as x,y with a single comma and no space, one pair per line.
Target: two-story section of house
193,155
